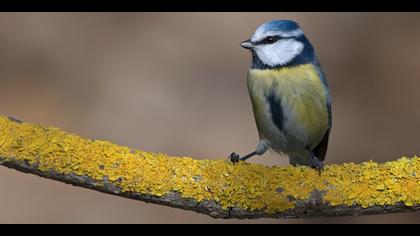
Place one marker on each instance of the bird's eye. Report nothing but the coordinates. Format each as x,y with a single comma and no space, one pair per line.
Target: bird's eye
270,40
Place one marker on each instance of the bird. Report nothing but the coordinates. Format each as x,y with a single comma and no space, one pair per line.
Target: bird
290,95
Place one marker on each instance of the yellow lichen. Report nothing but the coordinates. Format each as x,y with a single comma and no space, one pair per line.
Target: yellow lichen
247,186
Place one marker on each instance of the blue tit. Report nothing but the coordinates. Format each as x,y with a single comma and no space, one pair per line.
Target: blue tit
289,94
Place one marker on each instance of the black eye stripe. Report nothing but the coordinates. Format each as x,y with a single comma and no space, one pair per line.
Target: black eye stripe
271,39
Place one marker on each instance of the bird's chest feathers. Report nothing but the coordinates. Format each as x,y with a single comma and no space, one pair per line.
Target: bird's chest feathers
298,92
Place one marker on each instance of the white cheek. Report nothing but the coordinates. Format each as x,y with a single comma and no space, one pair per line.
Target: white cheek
279,53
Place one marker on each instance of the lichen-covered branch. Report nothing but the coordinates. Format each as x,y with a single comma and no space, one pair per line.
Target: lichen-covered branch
214,187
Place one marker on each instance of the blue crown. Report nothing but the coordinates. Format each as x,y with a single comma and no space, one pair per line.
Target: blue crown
280,25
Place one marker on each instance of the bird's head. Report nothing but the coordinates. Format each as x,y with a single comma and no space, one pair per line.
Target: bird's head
278,43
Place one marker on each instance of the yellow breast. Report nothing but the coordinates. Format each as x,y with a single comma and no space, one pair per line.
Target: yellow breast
302,94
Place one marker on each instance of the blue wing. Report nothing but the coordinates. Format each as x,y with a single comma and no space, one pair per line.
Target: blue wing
321,149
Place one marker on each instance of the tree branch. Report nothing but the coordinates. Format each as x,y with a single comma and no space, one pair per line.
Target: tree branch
217,188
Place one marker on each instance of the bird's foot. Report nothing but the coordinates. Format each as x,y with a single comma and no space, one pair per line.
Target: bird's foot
234,157
317,164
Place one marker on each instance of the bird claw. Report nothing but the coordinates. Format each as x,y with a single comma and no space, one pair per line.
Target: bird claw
317,165
234,157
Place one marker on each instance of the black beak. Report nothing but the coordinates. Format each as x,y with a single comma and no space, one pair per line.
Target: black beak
247,44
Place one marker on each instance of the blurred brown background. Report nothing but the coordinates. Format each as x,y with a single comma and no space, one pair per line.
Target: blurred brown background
175,83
